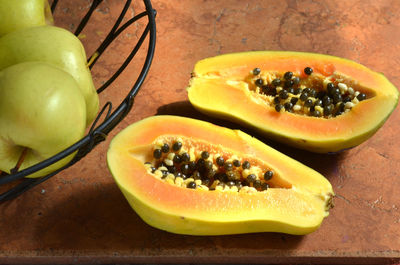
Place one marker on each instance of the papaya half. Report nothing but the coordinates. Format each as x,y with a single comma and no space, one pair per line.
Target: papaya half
188,176
316,102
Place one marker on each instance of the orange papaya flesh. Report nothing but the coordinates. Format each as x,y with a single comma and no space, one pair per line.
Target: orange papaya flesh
220,87
296,202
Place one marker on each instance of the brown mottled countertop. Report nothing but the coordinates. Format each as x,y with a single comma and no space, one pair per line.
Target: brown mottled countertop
80,216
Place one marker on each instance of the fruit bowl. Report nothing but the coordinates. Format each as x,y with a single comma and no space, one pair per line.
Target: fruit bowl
108,117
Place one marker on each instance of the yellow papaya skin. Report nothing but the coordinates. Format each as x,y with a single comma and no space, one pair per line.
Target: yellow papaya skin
297,208
218,88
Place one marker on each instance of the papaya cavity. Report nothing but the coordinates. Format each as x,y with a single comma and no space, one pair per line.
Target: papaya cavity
307,93
196,164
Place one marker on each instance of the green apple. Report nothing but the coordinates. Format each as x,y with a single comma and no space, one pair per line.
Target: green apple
19,14
56,46
41,109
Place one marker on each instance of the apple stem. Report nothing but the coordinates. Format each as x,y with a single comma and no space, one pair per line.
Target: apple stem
20,160
91,60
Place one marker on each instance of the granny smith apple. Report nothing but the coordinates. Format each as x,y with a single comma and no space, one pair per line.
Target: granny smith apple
19,14
56,46
43,110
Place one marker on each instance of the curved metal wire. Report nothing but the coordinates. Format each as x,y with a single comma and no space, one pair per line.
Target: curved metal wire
99,129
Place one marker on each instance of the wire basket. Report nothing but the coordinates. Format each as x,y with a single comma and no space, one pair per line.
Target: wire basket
111,117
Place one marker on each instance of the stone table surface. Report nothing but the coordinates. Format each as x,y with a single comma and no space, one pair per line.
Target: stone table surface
80,216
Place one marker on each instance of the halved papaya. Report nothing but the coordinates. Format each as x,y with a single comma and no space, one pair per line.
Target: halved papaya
237,183
344,104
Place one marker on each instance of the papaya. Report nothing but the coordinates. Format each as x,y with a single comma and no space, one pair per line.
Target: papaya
316,102
188,176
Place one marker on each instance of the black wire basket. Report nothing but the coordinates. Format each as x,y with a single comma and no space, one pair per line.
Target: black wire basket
110,117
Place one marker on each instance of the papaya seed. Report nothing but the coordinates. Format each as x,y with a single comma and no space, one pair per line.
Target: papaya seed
361,96
312,93
191,185
251,178
289,83
271,91
257,184
288,75
326,101
341,106
177,159
296,80
264,186
236,163
164,173
196,175
200,163
246,165
256,71
228,166
316,113
294,100
278,107
347,99
192,165
328,109
230,175
171,169
220,161
337,98
308,70
178,174
157,153
259,82
211,173
290,90
276,82
185,157
303,96
265,89
288,106
177,146
283,94
318,102
165,148
297,91
205,154
308,103
185,169
208,164
330,87
206,182
230,183
268,175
